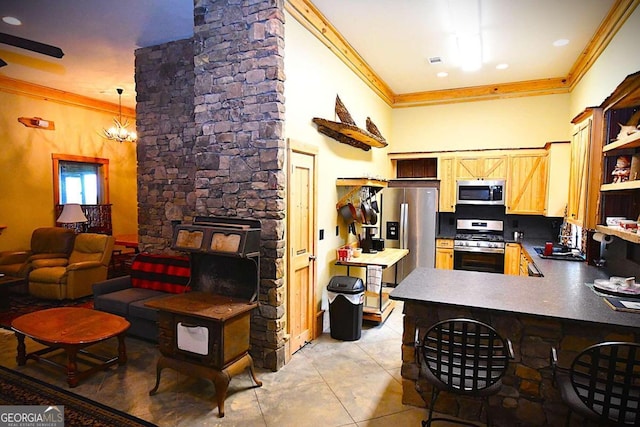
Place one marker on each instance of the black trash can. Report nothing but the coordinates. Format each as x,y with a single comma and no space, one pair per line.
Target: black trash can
346,298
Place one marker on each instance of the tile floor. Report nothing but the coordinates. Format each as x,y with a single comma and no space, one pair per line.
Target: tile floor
327,383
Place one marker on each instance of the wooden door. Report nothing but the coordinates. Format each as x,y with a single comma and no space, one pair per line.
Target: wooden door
444,254
301,305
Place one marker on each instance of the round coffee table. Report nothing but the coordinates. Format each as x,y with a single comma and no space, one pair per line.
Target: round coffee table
71,329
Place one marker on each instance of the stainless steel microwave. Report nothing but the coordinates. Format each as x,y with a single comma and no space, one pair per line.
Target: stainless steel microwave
480,192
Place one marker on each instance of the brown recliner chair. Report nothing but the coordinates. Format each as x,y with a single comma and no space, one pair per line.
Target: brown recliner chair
50,246
88,263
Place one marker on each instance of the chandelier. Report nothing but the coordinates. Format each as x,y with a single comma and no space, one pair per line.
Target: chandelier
119,131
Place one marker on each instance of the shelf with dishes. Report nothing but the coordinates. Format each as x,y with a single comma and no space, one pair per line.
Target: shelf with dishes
630,141
373,184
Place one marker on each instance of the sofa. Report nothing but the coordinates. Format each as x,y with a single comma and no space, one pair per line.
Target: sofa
74,277
152,276
49,246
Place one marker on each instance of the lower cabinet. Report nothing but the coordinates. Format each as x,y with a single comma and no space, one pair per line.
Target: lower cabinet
516,260
512,259
444,254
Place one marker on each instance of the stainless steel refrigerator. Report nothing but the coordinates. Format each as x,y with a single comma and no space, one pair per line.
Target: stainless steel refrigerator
409,220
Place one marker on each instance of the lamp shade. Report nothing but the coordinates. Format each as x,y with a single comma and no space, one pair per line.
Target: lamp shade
72,213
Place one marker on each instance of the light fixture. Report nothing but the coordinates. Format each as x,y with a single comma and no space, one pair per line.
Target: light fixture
11,20
72,216
442,74
502,66
37,122
464,16
119,132
560,42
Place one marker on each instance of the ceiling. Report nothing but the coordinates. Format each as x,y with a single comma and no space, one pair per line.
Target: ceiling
394,37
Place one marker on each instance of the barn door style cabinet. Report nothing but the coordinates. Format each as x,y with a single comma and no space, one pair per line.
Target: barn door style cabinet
620,184
527,183
584,168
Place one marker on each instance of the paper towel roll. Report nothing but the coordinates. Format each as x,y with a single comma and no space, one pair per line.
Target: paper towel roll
602,238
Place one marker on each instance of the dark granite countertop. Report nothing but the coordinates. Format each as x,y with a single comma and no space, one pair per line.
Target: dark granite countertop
561,293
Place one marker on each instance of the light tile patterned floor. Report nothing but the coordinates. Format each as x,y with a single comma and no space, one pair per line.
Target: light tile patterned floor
327,383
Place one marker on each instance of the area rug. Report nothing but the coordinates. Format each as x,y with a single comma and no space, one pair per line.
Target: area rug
19,389
23,304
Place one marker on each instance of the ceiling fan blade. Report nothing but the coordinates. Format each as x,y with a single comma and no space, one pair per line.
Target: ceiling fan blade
2,63
45,49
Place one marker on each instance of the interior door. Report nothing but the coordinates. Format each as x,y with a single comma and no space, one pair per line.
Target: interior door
301,305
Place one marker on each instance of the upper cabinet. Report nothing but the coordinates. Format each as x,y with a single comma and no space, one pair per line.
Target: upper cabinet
527,183
481,167
446,174
583,168
620,158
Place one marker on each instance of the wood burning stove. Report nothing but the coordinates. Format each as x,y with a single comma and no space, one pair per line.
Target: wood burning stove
205,332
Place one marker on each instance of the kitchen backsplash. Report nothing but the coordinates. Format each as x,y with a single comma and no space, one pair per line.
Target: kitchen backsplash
533,226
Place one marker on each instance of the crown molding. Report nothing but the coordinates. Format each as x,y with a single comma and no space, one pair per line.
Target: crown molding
310,17
19,87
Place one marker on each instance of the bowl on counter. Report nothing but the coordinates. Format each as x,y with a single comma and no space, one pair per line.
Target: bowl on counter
357,252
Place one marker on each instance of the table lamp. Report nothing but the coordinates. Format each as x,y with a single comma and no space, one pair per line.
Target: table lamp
72,214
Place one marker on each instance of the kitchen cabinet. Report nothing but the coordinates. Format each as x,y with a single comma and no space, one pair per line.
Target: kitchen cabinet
512,259
444,254
481,167
621,198
525,260
584,166
527,183
446,174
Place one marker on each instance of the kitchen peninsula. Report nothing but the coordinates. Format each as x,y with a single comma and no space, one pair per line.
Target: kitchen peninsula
535,313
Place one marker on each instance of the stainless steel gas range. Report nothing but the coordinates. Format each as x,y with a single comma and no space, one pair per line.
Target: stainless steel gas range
479,245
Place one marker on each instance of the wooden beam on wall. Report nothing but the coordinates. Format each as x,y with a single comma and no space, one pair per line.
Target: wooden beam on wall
19,87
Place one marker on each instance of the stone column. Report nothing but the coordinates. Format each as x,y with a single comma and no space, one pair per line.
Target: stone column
166,136
239,146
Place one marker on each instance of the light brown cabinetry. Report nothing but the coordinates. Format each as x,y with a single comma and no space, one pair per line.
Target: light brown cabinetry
444,254
447,178
512,259
527,183
481,167
585,162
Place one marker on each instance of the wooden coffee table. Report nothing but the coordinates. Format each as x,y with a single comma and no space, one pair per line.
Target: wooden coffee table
71,329
5,283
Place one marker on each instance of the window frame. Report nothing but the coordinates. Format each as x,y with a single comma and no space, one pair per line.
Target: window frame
103,175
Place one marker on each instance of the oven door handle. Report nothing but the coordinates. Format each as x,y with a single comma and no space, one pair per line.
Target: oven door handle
485,250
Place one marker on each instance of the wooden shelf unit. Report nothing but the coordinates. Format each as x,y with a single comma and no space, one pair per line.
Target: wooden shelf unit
619,232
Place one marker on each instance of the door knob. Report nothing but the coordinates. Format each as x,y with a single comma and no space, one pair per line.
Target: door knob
312,257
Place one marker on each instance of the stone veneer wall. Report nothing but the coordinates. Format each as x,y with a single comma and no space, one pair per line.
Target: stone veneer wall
528,397
240,147
166,136
210,119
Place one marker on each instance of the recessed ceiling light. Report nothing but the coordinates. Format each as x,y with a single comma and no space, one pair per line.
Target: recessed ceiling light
561,42
11,20
442,74
502,66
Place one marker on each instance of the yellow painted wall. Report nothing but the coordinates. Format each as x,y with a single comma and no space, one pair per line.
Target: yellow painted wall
26,176
314,77
503,123
619,59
